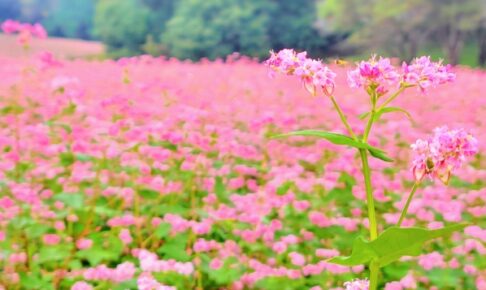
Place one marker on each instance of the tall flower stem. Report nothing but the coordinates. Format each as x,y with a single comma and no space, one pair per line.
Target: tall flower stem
370,201
409,199
369,195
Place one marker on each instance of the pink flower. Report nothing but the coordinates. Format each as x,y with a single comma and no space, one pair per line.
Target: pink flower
357,285
444,151
297,259
51,239
373,72
84,244
393,286
10,26
81,285
215,264
125,236
313,73
424,73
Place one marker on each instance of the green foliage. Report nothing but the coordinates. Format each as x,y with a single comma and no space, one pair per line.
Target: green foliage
230,272
393,244
121,24
71,18
175,248
216,28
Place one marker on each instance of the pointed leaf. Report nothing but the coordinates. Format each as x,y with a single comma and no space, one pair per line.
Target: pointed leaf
380,154
386,110
391,110
334,138
393,244
340,139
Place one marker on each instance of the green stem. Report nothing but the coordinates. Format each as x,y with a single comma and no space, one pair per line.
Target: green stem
369,195
392,97
405,209
374,270
342,116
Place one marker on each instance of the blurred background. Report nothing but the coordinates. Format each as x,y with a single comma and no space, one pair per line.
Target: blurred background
193,29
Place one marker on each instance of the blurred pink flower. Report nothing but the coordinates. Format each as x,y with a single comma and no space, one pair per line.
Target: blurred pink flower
357,285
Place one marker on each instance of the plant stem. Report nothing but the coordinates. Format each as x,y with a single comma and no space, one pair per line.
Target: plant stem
370,201
342,116
409,199
392,97
369,195
374,270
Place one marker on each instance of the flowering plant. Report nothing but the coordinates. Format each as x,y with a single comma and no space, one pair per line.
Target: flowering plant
435,157
25,31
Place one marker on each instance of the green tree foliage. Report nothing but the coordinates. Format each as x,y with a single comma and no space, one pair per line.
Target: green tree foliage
71,18
215,28
121,25
292,25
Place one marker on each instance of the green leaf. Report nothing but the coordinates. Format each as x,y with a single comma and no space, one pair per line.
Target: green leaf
228,273
391,110
36,230
148,193
393,244
334,138
386,110
175,248
380,155
74,200
162,230
67,159
340,139
53,253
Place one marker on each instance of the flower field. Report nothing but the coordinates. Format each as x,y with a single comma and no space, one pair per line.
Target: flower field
152,173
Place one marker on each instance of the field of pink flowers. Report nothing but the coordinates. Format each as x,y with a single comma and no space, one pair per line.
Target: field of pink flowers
148,173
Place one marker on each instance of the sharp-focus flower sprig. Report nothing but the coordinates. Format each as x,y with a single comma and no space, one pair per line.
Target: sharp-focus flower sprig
313,73
443,152
435,157
424,73
374,74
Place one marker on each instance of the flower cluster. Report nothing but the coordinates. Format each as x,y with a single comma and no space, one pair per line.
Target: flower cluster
25,30
373,73
380,73
444,151
424,73
313,73
357,285
122,272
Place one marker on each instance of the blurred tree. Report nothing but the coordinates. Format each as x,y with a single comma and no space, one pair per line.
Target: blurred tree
214,28
9,9
35,10
121,25
160,12
481,35
451,21
71,18
292,25
401,28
